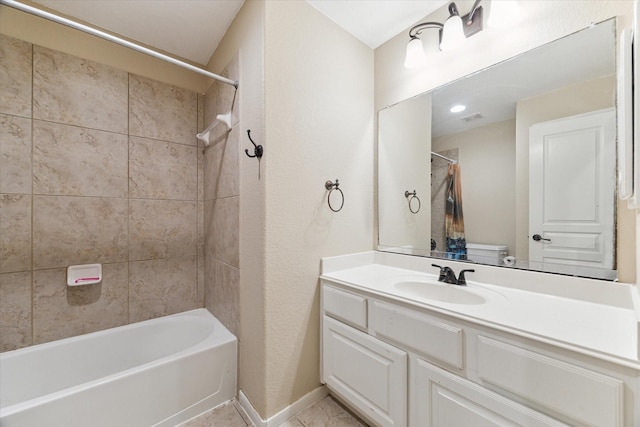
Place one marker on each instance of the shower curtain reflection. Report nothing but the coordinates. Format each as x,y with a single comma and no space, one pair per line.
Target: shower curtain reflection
454,220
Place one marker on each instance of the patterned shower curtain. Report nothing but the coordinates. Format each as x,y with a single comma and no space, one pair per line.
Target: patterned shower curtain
454,221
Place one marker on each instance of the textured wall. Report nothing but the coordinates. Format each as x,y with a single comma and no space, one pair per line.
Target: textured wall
97,165
319,123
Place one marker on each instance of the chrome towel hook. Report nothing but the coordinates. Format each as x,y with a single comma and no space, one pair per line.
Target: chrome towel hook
413,196
334,186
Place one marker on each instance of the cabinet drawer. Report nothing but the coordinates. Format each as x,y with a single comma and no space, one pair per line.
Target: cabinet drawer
440,398
581,395
345,306
370,374
429,337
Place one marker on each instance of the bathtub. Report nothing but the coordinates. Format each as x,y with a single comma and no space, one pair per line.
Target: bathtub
160,372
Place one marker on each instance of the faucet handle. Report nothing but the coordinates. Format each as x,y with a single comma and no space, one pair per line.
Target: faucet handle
443,272
462,281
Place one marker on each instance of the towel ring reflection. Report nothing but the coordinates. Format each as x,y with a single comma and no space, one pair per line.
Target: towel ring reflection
413,196
334,186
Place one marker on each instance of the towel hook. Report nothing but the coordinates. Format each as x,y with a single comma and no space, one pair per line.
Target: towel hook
257,149
334,186
413,196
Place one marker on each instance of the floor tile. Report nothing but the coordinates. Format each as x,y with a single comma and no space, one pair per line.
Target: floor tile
328,413
292,422
222,416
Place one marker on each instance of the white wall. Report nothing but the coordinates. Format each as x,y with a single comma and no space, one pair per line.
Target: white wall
487,165
404,146
540,22
319,126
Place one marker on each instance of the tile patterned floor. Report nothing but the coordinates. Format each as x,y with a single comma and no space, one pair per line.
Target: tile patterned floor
327,412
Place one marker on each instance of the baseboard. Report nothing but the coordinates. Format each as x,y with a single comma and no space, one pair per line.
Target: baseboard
288,412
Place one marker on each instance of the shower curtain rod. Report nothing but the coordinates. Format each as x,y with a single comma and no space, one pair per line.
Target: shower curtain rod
69,23
444,158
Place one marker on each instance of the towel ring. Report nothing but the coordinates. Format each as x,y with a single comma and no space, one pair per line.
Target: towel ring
413,196
334,186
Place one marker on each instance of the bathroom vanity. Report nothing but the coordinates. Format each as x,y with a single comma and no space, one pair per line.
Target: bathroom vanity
510,348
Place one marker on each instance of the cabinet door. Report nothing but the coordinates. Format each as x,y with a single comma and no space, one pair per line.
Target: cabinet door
369,374
441,399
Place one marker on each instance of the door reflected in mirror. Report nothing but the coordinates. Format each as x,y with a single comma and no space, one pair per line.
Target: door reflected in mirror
533,186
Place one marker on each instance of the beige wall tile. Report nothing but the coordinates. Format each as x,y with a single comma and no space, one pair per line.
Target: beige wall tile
221,97
78,230
222,230
15,154
162,229
201,259
74,91
15,232
15,310
162,170
221,167
15,76
74,161
200,155
61,311
161,287
161,111
222,294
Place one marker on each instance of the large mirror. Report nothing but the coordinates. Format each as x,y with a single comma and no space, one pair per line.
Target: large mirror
523,177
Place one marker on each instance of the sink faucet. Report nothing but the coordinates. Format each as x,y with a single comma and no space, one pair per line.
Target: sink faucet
447,275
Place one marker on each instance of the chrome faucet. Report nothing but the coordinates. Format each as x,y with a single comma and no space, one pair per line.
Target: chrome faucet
447,275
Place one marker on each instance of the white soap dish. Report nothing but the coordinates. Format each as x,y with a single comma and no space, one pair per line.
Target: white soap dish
86,274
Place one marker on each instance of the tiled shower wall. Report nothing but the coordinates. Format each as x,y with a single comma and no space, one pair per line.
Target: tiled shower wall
222,205
96,166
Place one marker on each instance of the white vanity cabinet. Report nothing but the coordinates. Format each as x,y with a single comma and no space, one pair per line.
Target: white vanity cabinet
402,364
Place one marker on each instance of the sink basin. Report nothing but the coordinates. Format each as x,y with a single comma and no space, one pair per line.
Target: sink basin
437,291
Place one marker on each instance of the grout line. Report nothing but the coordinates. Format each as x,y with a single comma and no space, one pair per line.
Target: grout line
128,198
33,291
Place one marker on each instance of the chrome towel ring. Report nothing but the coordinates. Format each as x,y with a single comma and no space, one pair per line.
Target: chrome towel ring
334,186
413,196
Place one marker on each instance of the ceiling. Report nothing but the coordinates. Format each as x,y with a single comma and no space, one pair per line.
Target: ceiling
192,29
493,93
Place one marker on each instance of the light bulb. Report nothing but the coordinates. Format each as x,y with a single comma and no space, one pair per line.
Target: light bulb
415,54
452,34
503,13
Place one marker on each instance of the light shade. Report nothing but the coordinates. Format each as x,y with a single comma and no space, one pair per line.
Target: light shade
503,13
452,34
415,54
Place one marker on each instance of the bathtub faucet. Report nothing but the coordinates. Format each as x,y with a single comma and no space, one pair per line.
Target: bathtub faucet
447,275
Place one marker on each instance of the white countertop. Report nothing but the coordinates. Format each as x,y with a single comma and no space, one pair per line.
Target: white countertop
606,331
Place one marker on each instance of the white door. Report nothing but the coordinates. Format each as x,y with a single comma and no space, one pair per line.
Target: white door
572,190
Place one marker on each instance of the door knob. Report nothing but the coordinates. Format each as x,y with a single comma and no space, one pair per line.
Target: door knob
538,238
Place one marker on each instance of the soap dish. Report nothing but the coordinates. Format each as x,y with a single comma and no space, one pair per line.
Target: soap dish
85,274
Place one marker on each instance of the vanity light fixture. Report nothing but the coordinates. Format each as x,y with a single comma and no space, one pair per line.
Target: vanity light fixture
453,33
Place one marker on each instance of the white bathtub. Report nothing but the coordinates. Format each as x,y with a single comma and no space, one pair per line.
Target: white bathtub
160,372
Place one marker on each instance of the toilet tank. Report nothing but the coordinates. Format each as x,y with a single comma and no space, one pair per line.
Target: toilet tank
487,254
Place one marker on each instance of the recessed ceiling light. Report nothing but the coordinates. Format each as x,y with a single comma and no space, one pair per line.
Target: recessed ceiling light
457,108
